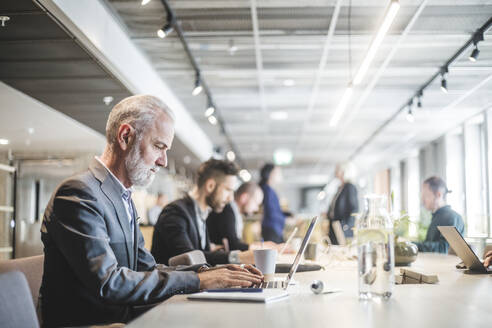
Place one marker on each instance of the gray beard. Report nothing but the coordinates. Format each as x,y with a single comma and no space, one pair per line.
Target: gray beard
138,172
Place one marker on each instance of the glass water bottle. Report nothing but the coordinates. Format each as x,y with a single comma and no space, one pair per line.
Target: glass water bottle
375,245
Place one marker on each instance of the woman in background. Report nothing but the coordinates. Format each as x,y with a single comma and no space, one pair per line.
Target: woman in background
273,223
344,204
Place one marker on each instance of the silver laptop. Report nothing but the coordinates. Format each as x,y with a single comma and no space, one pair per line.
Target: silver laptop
275,290
285,283
463,250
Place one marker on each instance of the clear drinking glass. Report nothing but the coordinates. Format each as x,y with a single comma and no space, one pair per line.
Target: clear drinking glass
375,245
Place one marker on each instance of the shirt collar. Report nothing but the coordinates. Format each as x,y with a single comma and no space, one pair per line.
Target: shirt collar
125,192
201,214
442,209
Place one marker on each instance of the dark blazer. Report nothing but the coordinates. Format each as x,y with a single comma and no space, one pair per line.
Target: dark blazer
346,204
93,271
434,241
223,225
176,233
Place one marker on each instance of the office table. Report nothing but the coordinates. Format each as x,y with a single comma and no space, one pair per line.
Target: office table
458,300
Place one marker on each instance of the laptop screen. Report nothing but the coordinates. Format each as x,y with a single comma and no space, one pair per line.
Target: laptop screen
305,241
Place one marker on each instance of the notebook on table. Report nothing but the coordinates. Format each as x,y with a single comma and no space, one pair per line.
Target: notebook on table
264,296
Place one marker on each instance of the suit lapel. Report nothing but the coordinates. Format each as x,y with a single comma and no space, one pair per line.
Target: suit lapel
135,236
110,188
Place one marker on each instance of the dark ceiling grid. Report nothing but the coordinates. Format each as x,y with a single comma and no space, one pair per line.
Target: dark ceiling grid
173,20
40,58
208,27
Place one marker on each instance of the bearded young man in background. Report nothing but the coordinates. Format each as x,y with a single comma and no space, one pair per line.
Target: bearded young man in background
182,227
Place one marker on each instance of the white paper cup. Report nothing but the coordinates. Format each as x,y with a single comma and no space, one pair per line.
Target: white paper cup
265,261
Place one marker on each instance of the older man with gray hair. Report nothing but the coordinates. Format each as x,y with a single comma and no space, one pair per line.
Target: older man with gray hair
96,269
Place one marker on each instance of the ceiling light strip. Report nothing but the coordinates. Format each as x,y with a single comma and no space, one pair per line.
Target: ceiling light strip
373,82
341,106
389,16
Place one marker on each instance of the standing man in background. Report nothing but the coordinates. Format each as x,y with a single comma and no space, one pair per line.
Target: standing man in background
344,204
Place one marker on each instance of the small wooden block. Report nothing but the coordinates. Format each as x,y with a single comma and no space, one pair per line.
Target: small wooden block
420,276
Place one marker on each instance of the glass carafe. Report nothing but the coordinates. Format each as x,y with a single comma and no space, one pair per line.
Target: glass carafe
375,245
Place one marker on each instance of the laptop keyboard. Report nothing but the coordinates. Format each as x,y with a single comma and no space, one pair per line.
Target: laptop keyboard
270,284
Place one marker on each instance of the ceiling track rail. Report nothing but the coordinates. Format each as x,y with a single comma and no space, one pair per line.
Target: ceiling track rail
172,20
420,91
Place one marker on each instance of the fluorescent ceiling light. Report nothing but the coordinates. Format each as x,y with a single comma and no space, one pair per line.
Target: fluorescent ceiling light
279,115
165,31
410,118
341,106
289,83
245,175
212,119
230,156
108,100
232,47
196,91
389,16
144,2
4,141
474,55
210,110
282,156
444,85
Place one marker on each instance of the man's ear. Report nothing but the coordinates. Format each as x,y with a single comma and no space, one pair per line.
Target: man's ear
125,136
210,185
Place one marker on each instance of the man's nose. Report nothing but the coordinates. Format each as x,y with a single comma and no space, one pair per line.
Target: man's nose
162,160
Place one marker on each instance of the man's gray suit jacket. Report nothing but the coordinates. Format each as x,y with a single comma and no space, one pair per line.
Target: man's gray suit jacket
93,271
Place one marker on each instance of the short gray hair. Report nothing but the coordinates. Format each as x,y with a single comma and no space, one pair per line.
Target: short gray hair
349,171
138,111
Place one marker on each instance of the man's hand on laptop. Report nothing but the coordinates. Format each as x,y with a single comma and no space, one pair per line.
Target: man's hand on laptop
230,276
488,259
236,267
